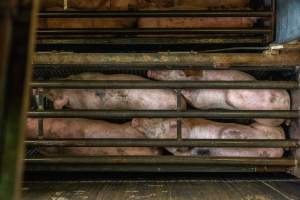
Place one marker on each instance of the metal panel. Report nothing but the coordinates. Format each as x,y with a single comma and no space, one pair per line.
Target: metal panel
17,72
288,20
5,24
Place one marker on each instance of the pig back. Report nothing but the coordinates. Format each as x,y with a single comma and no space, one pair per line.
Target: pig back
135,99
87,129
193,4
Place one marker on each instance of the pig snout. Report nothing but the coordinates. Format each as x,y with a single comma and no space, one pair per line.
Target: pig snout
152,74
149,73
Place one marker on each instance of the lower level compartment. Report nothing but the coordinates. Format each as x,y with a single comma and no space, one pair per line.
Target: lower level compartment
161,186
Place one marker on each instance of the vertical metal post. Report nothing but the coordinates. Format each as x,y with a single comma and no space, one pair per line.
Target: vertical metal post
273,7
40,103
294,131
20,18
179,120
5,36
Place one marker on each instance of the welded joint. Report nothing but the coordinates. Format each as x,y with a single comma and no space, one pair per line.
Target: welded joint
274,49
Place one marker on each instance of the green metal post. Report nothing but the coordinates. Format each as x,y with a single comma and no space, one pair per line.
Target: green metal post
19,18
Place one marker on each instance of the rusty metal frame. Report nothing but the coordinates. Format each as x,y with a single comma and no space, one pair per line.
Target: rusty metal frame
292,143
210,114
89,84
19,18
177,160
166,60
162,61
153,13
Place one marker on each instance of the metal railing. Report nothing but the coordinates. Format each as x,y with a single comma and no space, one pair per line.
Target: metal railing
178,114
262,33
159,61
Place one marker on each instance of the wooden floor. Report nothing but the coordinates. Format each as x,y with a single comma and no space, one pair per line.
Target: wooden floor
234,188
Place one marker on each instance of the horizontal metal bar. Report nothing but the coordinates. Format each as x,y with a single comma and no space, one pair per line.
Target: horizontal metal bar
83,84
210,114
152,41
175,66
157,168
152,13
176,160
153,31
164,143
169,60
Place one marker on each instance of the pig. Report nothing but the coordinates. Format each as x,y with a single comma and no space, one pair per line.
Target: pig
205,129
197,22
91,5
231,99
194,22
87,129
213,4
118,99
155,4
81,23
59,23
194,4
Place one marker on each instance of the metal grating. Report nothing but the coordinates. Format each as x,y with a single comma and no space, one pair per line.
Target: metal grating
172,187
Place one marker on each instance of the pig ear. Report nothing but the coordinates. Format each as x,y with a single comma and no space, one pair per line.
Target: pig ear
135,122
59,103
173,123
149,74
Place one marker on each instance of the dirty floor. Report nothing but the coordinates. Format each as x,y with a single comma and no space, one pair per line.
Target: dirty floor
233,187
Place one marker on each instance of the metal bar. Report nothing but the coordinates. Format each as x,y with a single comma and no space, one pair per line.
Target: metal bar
152,31
179,120
169,60
164,143
151,168
175,160
83,44
151,40
40,103
106,114
152,13
175,66
21,25
273,22
5,39
83,84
